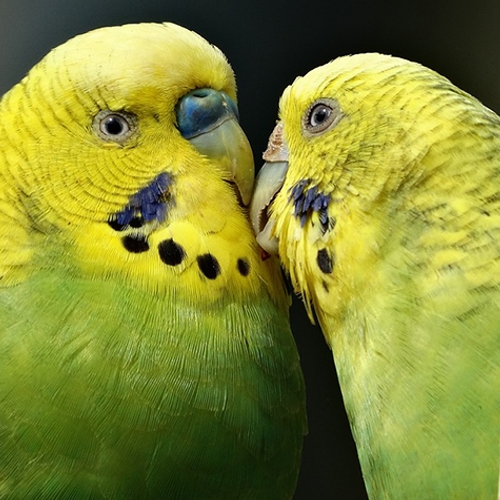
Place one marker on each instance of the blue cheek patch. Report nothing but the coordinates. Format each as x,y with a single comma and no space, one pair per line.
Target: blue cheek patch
148,204
306,198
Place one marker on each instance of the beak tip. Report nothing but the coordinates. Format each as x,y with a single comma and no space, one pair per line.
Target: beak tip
243,171
269,244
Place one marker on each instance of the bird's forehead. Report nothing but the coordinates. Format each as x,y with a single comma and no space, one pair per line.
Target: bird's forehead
321,82
143,56
360,71
358,82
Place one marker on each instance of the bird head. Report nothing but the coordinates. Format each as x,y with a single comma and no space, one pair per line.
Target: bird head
355,139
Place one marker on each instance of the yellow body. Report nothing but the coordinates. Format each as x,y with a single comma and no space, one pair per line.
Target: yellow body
404,276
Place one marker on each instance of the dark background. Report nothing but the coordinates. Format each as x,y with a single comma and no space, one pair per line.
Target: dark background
269,43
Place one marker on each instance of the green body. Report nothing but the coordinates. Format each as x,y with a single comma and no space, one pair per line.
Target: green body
421,377
107,392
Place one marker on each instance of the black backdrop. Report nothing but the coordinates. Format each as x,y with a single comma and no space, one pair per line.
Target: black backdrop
269,43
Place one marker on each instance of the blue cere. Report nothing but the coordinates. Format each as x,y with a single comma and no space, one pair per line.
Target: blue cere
202,110
306,198
149,203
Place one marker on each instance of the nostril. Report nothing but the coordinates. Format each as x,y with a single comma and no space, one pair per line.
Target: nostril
201,93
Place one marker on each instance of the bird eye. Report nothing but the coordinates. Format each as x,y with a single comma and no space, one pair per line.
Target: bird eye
115,126
321,115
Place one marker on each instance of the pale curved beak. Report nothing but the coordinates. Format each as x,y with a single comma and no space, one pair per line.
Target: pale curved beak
269,181
208,119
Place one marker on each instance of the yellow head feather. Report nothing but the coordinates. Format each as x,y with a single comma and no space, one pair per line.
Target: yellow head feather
388,113
61,181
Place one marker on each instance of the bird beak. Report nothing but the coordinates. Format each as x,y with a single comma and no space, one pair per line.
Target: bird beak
269,181
208,119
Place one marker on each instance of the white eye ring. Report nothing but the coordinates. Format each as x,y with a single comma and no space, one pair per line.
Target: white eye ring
115,126
322,115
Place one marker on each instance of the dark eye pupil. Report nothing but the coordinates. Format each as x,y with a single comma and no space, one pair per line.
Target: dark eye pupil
320,115
114,125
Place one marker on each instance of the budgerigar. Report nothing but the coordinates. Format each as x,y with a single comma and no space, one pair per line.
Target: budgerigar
145,350
383,202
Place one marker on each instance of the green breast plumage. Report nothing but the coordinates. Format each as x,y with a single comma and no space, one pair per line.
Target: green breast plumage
169,386
108,392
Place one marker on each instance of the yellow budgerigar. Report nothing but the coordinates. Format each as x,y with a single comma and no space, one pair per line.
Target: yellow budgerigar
145,350
382,197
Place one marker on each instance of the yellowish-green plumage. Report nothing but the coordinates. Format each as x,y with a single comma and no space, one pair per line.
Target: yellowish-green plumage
145,350
389,222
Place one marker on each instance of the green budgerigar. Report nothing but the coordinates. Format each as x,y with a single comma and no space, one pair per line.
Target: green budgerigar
382,190
145,350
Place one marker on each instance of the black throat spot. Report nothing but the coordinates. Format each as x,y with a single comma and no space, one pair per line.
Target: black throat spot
325,261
